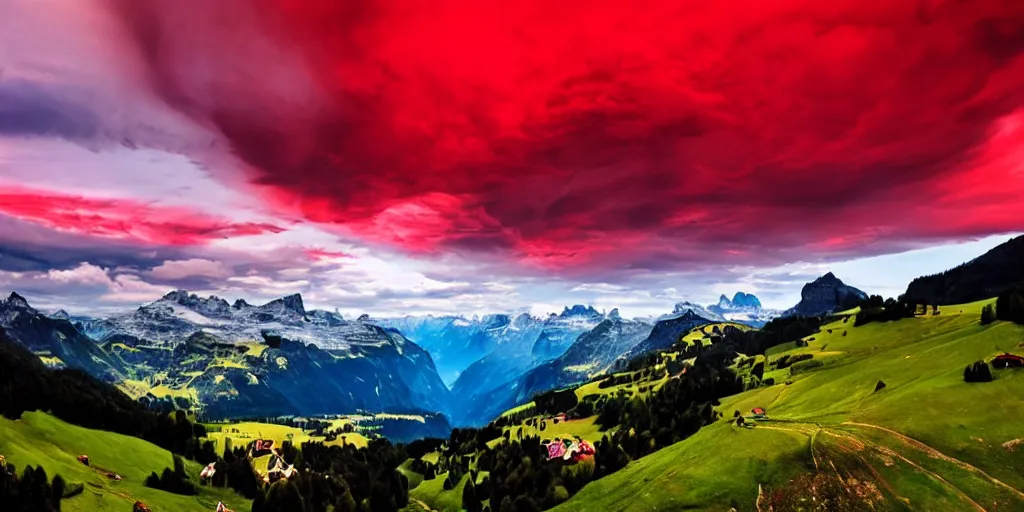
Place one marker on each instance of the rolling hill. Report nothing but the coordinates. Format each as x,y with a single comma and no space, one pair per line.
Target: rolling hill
40,439
927,441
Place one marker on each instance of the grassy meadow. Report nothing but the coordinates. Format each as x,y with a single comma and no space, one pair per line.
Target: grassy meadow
926,441
40,439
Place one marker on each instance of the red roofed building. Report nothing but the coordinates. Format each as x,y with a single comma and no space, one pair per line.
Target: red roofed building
1007,361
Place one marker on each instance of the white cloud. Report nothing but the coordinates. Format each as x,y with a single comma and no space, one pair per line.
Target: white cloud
84,273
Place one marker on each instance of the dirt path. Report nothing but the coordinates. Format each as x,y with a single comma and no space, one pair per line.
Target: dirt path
939,455
420,503
812,430
891,453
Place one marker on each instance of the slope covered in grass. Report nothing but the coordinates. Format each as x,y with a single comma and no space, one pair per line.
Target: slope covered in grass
40,439
927,441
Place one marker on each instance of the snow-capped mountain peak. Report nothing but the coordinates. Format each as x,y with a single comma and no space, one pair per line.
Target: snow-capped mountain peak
580,310
15,301
744,308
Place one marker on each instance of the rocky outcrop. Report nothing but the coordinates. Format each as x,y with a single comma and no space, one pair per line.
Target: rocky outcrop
826,294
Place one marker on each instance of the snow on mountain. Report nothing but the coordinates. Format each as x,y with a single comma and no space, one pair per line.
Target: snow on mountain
744,308
177,315
560,331
682,308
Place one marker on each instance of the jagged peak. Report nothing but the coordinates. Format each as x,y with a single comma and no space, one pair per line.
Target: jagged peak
241,303
186,298
614,314
16,301
173,294
291,302
742,299
686,306
580,310
829,278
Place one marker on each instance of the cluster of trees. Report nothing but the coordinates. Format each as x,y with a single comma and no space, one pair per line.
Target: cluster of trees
555,401
342,479
1010,306
988,314
876,309
176,480
33,491
76,397
778,331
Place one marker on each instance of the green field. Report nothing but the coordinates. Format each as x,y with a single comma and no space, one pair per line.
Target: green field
40,439
927,441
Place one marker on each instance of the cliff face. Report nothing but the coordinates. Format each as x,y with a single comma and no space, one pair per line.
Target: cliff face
824,295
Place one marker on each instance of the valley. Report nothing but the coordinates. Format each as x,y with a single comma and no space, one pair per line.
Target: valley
865,405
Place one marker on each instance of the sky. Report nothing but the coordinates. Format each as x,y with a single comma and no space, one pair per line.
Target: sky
454,156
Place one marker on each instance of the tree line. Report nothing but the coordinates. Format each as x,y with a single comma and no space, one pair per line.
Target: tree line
33,491
74,396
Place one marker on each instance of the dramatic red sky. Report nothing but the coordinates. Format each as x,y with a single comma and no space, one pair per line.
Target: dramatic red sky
614,143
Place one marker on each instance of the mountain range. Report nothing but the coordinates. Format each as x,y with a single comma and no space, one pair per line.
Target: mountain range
239,360
235,359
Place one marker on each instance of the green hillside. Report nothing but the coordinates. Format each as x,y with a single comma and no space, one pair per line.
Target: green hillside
40,439
927,441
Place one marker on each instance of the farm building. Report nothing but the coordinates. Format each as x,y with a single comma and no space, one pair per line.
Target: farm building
1007,361
759,413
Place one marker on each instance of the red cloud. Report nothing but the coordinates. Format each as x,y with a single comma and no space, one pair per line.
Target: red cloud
318,254
121,218
601,134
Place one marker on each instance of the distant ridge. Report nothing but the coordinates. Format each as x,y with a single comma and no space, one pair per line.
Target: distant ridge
986,276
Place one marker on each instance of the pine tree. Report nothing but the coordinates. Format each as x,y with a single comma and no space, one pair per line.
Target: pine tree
470,502
988,315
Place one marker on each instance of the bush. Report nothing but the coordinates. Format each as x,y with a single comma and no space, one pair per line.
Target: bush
758,370
578,475
880,386
770,381
988,314
559,494
175,481
977,371
787,360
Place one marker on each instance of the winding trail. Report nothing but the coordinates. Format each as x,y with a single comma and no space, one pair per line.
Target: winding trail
420,503
939,455
811,430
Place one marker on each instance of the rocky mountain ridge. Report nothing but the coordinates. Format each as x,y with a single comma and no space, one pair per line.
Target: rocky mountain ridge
826,294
